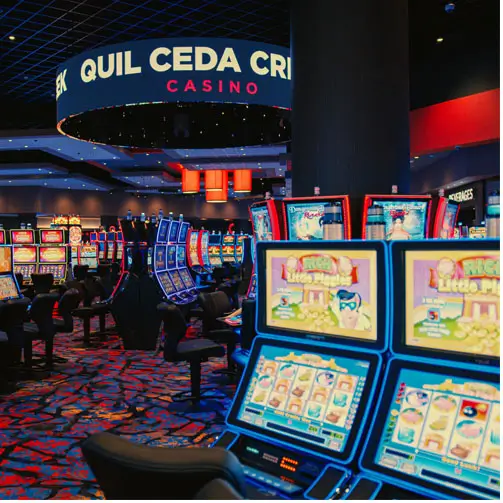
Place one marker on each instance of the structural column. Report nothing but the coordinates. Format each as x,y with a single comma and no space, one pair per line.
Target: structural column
350,97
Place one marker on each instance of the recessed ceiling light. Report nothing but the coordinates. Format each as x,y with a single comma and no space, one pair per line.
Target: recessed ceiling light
12,37
26,146
416,157
94,148
45,183
10,140
440,40
50,172
59,150
147,153
10,181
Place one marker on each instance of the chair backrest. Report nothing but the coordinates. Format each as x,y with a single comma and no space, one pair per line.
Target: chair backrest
41,312
221,303
80,272
19,279
77,285
104,270
248,315
67,303
175,329
12,317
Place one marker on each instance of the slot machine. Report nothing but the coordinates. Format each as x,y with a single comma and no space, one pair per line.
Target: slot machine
393,217
268,225
192,252
24,253
119,252
303,404
241,245
229,249
88,255
317,218
215,250
203,251
3,237
181,262
102,247
446,216
111,245
9,289
53,254
436,429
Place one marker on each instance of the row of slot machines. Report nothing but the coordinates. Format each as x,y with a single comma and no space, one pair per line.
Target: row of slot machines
375,374
387,217
101,249
41,251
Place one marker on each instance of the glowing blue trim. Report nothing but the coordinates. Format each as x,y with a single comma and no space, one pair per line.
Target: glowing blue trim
358,427
346,474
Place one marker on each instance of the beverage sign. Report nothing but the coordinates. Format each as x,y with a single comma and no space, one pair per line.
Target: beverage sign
453,301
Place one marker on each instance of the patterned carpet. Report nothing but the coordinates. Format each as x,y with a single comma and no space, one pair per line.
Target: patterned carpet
105,388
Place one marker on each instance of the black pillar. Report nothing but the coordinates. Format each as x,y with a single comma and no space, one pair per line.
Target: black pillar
350,97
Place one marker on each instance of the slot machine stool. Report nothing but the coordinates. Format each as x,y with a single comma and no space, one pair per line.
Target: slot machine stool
193,351
125,470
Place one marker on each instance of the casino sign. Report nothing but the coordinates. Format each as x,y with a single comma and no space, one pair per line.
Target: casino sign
176,93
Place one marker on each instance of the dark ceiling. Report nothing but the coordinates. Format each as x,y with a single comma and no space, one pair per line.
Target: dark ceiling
47,32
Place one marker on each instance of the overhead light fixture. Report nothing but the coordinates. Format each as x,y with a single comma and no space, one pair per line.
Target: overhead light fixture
416,157
440,40
12,38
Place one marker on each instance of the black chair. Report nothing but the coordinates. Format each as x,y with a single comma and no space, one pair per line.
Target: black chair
80,272
128,471
193,351
41,328
19,279
67,303
42,283
115,270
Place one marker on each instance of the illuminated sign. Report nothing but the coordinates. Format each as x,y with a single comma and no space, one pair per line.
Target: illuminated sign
175,69
462,196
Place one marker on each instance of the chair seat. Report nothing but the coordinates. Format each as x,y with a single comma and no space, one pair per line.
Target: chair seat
99,308
31,330
60,326
198,349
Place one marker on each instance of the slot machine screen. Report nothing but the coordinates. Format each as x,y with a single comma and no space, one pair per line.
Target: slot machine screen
88,256
452,301
184,229
262,225
2,237
449,221
215,250
8,288
325,291
304,220
240,248
25,254
101,249
305,395
204,248
52,254
187,278
404,219
180,256
5,259
177,280
111,236
228,248
171,256
23,237
102,236
94,236
162,232
194,258
160,257
442,429
53,236
57,270
166,283
173,231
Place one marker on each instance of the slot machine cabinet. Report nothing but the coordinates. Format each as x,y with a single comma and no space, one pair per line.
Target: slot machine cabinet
9,289
119,250
102,247
53,254
24,253
317,218
3,237
202,251
88,255
229,249
302,407
111,247
193,255
435,430
445,213
404,217
215,250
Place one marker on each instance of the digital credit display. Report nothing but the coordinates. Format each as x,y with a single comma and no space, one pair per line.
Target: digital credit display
404,219
453,301
332,292
262,226
8,289
171,256
309,396
173,231
443,429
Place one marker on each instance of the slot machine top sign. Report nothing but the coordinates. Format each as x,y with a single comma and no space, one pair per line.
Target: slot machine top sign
162,73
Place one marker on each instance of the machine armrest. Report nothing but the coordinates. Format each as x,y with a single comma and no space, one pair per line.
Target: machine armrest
218,489
126,470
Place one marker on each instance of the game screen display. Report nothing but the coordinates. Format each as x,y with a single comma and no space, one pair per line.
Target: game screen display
102,236
187,278
2,237
177,280
52,254
5,259
406,219
52,236
88,256
214,250
184,229
23,237
204,248
453,301
111,236
329,292
194,258
173,231
180,256
25,254
162,233
310,396
110,250
166,283
171,257
305,220
8,289
444,429
228,248
160,258
26,270
449,221
101,249
262,226
240,248
57,270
